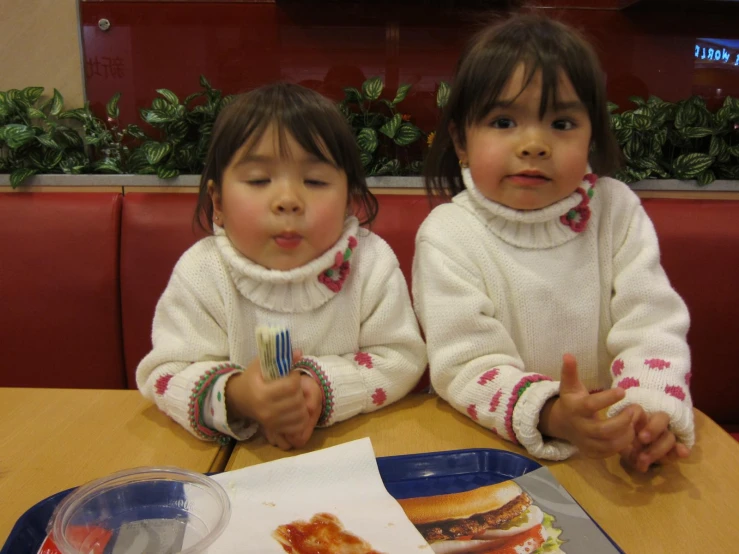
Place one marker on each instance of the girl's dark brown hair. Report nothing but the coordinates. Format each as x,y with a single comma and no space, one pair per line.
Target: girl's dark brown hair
489,60
311,119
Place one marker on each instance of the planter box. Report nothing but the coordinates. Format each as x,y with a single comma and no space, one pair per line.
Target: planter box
691,186
374,182
48,180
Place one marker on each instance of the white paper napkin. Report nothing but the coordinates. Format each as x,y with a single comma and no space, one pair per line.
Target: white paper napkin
342,480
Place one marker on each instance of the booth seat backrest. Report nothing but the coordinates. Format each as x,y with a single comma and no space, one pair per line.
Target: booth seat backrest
156,229
397,222
60,323
700,252
699,244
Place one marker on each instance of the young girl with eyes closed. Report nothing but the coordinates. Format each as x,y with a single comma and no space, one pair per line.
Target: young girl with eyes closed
539,287
282,180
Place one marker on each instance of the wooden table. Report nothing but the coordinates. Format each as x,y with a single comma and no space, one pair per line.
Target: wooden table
685,507
54,439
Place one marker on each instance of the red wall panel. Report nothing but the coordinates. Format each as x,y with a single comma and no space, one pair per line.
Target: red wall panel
647,49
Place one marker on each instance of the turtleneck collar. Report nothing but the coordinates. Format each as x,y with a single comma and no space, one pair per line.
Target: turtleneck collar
544,228
296,290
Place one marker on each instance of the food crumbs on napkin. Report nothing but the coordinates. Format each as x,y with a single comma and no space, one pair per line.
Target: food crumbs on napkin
323,534
342,481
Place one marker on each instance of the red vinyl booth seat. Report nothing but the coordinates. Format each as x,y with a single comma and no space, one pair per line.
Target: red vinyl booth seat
397,222
81,273
699,244
156,230
60,323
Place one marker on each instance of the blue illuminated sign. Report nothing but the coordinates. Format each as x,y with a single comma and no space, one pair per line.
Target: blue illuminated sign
717,54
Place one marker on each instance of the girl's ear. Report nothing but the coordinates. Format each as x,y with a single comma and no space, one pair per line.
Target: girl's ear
215,198
457,142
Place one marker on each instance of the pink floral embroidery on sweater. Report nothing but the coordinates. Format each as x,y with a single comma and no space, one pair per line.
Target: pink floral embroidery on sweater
591,178
362,358
656,363
488,376
688,376
676,391
495,400
472,411
628,383
335,275
379,397
577,218
161,384
617,367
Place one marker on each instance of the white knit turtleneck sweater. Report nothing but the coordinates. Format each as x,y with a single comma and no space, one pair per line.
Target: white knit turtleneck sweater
502,294
361,333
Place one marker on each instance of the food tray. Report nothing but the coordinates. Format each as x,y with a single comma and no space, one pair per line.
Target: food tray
406,476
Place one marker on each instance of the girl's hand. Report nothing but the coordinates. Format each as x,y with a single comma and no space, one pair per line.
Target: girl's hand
654,443
276,405
277,439
574,416
314,401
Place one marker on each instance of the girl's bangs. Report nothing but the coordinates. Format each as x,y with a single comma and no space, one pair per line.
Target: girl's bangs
308,136
489,98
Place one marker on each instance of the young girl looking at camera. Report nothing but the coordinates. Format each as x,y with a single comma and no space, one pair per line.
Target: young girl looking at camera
282,179
539,287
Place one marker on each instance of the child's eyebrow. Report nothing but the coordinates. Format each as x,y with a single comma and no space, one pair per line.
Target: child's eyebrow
310,160
558,106
253,158
571,105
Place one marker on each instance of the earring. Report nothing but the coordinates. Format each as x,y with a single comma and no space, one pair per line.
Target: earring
463,164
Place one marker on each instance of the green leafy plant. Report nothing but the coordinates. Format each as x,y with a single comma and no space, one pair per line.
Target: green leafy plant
185,129
442,97
34,136
682,140
111,148
659,139
383,133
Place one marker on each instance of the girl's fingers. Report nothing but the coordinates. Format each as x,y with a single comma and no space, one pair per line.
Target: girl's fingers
569,380
617,425
629,456
290,418
681,450
598,401
656,451
276,439
676,453
300,439
295,428
655,427
668,458
287,386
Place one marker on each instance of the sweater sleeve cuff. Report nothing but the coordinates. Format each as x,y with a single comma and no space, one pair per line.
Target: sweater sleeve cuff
215,415
526,423
680,412
342,386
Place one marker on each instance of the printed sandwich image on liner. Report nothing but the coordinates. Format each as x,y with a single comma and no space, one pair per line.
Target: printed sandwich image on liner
531,514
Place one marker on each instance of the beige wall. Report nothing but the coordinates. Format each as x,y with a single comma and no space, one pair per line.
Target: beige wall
39,46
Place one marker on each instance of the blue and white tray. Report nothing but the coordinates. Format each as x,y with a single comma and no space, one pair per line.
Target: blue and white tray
408,476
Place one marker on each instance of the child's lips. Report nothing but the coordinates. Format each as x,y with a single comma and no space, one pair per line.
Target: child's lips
288,240
529,178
